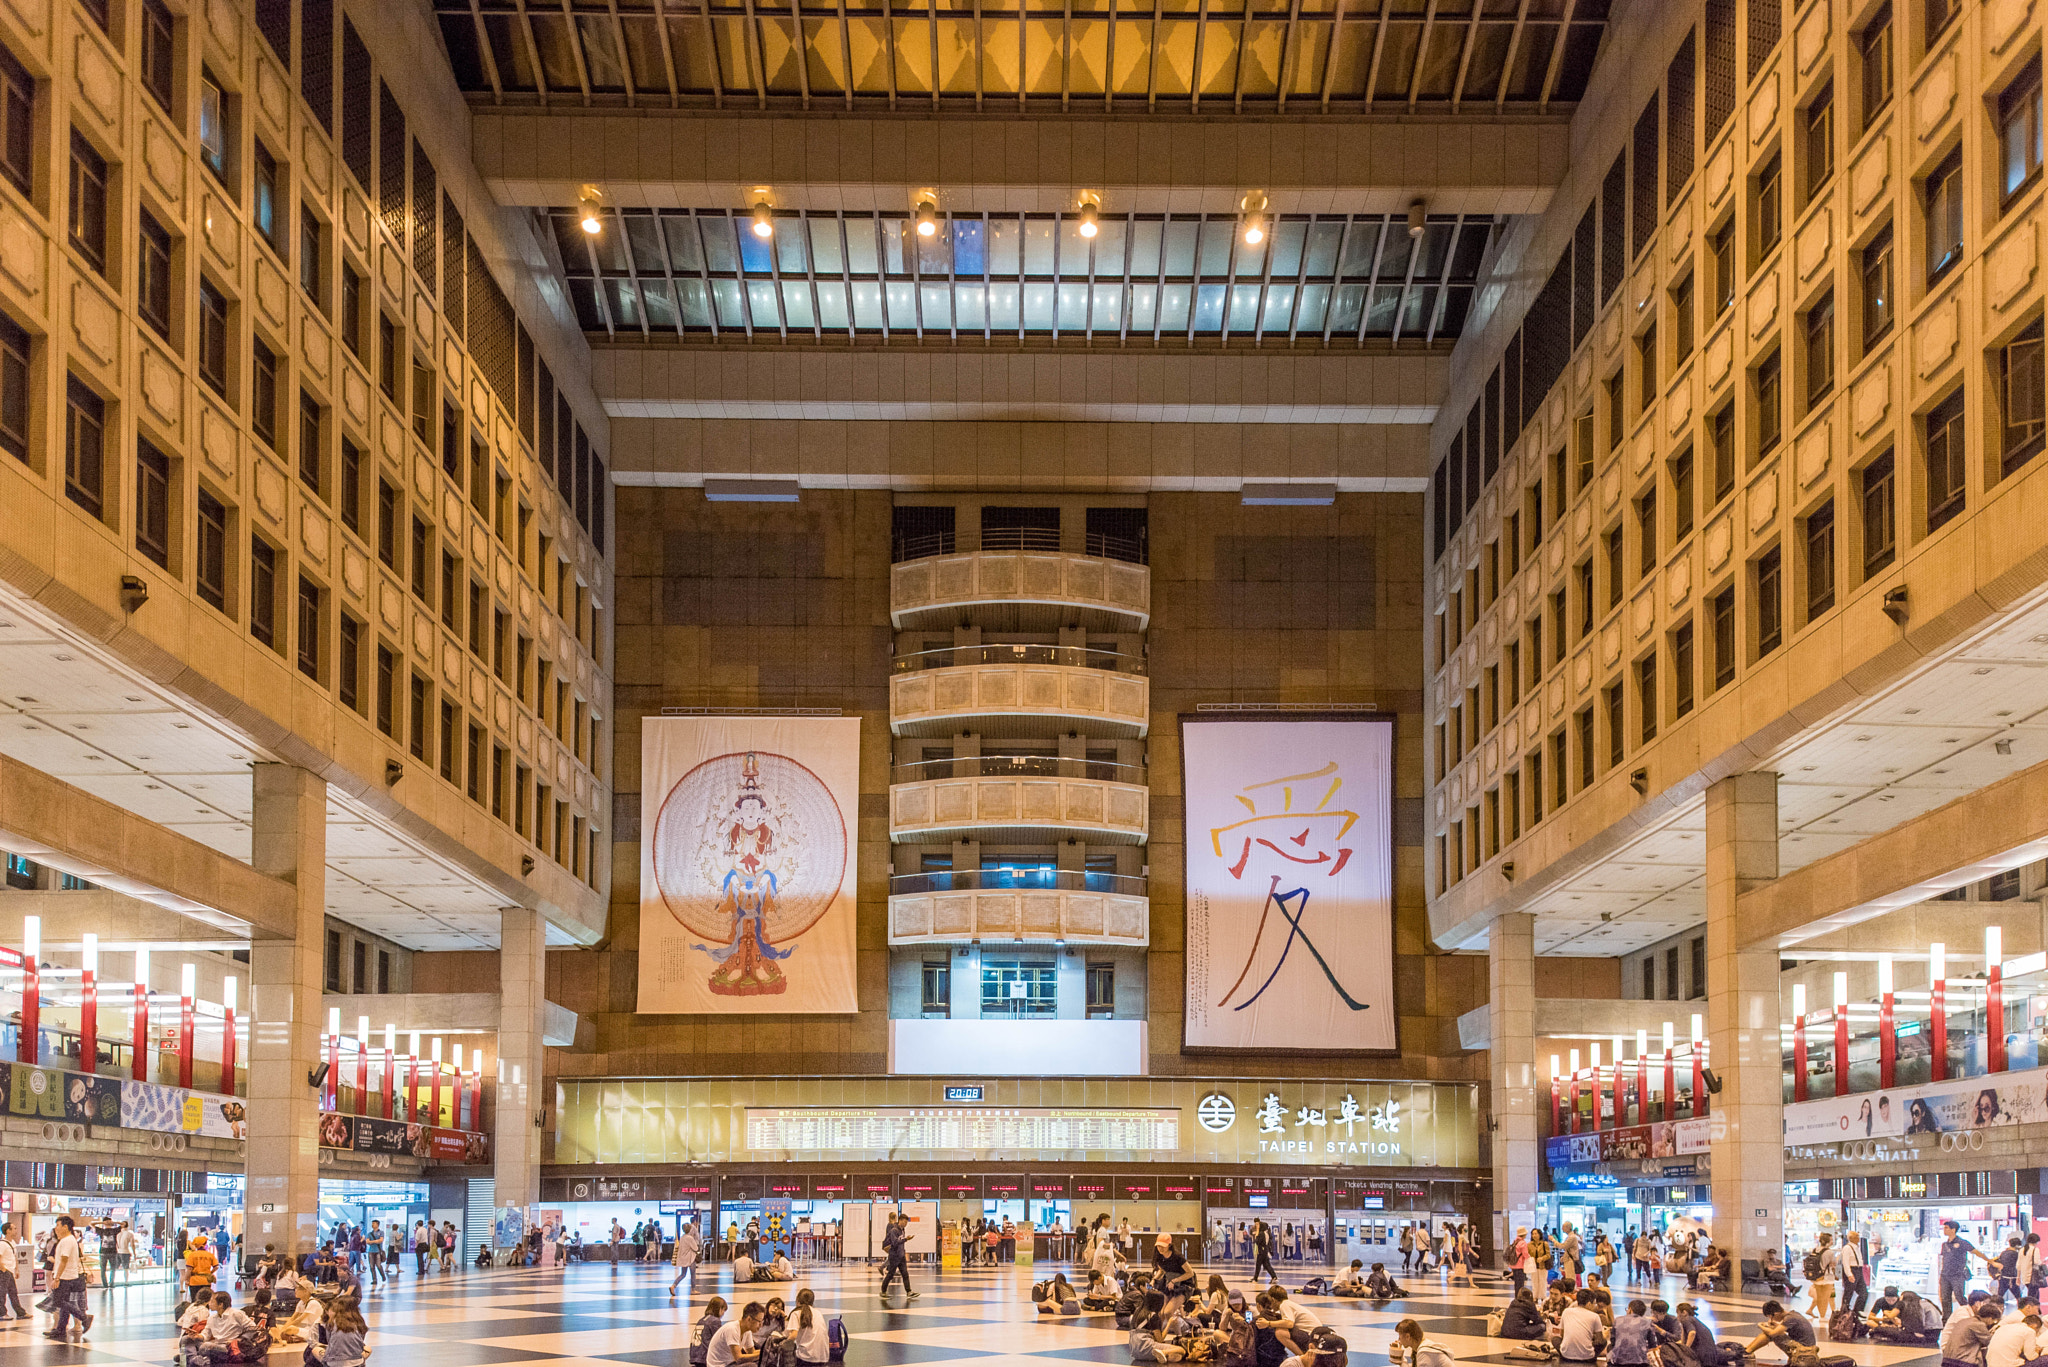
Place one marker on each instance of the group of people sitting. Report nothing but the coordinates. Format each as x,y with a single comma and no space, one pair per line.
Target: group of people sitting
214,1329
1981,1332
799,1333
779,1269
1579,1324
1375,1285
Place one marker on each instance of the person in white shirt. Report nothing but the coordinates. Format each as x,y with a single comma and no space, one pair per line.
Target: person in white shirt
1290,1322
1105,1259
735,1342
1580,1330
224,1328
1411,1349
687,1248
67,1274
742,1269
10,1263
192,1324
807,1326
780,1270
2014,1344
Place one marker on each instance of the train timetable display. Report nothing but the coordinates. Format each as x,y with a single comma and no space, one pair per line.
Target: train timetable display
959,1129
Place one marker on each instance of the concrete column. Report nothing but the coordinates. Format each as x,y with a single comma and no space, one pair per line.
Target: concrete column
1747,1117
1511,1047
522,989
285,982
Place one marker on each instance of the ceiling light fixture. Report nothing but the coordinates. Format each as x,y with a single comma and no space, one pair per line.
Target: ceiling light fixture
1091,214
764,220
1254,207
927,217
587,207
1416,211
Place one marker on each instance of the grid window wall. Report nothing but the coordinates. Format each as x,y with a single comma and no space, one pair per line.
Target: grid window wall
1317,280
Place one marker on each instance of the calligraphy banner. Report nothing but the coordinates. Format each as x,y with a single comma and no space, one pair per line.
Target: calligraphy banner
747,864
1290,882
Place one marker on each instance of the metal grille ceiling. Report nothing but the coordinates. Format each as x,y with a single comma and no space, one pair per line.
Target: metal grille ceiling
1189,55
1326,280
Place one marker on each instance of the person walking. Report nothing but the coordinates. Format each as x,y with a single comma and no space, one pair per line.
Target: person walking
1821,1265
685,1256
373,1252
422,1245
10,1263
1855,1273
1407,1246
895,1250
67,1275
394,1246
1262,1251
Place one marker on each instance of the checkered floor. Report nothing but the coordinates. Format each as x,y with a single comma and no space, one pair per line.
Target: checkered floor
591,1314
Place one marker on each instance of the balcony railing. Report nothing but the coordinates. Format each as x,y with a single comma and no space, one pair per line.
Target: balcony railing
1017,766
1082,657
1016,880
1016,539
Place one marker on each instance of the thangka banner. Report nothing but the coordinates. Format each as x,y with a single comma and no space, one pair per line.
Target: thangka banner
747,853
1290,882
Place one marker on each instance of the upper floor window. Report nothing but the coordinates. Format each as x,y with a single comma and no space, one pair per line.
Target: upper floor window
85,435
263,393
1944,201
263,591
1820,350
88,202
17,123
1681,320
1770,207
1936,17
152,503
1820,560
1875,274
352,310
1722,246
265,212
158,61
214,135
213,338
1946,479
13,387
311,256
1877,494
1874,57
153,275
1817,133
2020,381
211,551
101,11
1770,404
1770,605
2019,131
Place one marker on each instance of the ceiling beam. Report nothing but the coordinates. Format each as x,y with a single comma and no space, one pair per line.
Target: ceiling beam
2000,826
861,163
51,822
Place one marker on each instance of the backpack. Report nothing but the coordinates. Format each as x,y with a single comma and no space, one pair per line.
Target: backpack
1811,1265
1316,1286
1038,1291
1496,1320
1198,1348
778,1351
1845,1327
1240,1343
835,1336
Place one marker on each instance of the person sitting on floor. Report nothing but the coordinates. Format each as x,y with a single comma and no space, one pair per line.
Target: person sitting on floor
1352,1283
1380,1284
1058,1296
779,1270
743,1269
1102,1292
1522,1320
1148,1333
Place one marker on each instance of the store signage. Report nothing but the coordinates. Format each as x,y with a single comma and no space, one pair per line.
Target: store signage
1048,1186
972,1093
1215,1113
1909,1186
1628,1144
896,1129
1587,1181
1313,1129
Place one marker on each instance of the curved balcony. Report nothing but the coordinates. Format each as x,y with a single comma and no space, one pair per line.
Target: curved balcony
1062,906
1028,589
945,800
1016,690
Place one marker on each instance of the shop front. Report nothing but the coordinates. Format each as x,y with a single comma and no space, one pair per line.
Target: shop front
99,1200
1625,1179
1328,1166
359,1203
1900,1217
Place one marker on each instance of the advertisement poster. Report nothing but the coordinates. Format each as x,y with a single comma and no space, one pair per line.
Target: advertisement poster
778,1228
747,864
1290,882
379,1136
173,1110
1932,1108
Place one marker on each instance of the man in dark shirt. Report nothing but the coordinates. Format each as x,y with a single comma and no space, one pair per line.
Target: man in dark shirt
1785,1328
1170,1267
1953,1254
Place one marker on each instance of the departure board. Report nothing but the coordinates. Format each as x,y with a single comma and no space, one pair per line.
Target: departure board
959,1129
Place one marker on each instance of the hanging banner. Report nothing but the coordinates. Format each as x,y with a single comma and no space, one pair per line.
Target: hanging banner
747,864
1290,882
1932,1108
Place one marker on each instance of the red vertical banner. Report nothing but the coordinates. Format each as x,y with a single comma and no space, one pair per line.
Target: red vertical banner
188,1024
476,1098
227,1041
1994,1017
89,1007
390,1081
31,1010
1699,1077
1799,1058
139,1045
1670,1084
333,1089
1556,1107
1887,1025
412,1089
1841,1050
1937,1011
